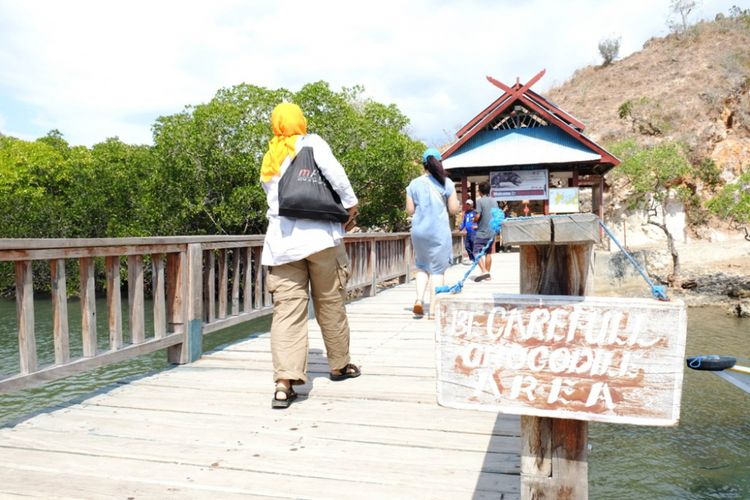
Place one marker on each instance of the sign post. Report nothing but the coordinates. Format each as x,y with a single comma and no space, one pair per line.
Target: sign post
558,357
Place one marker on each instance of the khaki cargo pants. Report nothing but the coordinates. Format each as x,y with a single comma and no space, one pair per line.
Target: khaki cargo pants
327,273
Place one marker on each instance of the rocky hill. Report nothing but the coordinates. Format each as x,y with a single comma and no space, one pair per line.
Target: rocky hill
692,86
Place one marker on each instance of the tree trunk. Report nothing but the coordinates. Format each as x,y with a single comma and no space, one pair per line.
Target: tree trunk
673,278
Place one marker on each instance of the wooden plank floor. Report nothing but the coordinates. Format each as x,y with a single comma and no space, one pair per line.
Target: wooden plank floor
206,430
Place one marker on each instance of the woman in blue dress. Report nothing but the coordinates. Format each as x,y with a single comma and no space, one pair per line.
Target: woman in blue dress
429,199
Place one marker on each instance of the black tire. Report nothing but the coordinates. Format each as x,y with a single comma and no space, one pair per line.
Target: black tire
711,362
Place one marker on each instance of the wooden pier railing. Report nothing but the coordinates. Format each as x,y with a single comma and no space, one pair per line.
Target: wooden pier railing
199,285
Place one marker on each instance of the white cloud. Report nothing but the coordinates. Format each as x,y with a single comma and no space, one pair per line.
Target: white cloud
97,69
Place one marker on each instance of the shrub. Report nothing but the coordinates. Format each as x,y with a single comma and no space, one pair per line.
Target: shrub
609,50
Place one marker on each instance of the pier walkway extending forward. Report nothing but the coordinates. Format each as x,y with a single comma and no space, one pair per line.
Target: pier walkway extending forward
206,429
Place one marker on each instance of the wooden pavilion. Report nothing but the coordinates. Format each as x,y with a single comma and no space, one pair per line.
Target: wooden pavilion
533,153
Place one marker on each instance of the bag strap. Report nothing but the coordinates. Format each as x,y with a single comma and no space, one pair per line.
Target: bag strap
435,190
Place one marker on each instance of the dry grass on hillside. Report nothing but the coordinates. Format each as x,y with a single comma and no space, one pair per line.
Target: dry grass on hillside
695,83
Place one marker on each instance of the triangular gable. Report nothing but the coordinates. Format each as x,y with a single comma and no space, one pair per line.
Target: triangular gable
531,100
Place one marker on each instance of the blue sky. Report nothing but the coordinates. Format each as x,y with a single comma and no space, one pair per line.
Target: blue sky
99,69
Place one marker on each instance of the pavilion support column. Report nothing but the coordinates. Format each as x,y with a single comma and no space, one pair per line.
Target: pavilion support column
464,189
473,190
574,180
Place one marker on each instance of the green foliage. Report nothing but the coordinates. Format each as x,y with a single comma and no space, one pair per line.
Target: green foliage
733,201
211,156
652,172
708,172
202,174
609,49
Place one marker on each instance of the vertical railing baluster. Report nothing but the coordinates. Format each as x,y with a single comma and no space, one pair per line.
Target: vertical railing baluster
88,307
114,301
223,283
25,316
209,286
373,267
247,292
60,311
158,291
236,281
258,288
175,292
135,299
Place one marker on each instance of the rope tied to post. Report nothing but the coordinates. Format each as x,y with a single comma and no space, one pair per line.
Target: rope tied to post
659,292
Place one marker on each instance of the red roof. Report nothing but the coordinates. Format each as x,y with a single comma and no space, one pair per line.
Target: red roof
523,94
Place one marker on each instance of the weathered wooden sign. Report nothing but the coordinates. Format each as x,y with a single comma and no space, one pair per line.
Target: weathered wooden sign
601,359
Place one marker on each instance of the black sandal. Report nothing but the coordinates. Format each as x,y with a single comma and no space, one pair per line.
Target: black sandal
349,371
283,403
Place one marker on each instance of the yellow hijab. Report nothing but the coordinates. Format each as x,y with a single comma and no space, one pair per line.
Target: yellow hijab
288,125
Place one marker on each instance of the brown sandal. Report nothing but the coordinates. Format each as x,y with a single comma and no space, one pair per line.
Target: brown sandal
283,403
418,309
349,371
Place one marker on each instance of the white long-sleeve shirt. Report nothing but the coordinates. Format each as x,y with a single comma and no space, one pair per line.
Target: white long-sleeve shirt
289,239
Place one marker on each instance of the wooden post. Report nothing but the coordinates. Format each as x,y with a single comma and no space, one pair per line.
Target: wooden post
236,281
114,302
135,299
223,283
158,292
555,260
60,308
25,316
176,292
210,286
259,285
88,307
247,290
406,278
192,286
373,268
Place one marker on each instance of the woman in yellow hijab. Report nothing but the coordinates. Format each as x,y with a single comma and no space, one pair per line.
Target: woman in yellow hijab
288,124
302,252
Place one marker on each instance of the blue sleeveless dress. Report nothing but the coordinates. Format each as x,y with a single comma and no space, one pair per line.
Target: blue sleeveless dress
430,226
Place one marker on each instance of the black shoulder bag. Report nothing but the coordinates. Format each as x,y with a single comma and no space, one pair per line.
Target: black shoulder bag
305,193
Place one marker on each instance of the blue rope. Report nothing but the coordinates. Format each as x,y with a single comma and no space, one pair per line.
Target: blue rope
695,363
498,216
659,292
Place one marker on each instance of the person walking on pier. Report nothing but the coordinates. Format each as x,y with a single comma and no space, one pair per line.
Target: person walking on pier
304,257
469,226
485,204
429,198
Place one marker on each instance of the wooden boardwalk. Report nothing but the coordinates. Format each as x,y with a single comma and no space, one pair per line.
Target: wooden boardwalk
206,430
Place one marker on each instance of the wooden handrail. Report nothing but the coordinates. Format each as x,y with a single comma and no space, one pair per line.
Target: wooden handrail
193,294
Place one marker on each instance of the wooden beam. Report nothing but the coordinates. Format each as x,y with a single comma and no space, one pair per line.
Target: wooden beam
114,301
81,365
521,90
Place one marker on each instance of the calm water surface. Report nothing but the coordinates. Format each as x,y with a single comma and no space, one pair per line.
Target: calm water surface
707,456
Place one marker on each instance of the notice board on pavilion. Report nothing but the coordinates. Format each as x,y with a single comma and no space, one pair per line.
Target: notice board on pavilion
617,360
